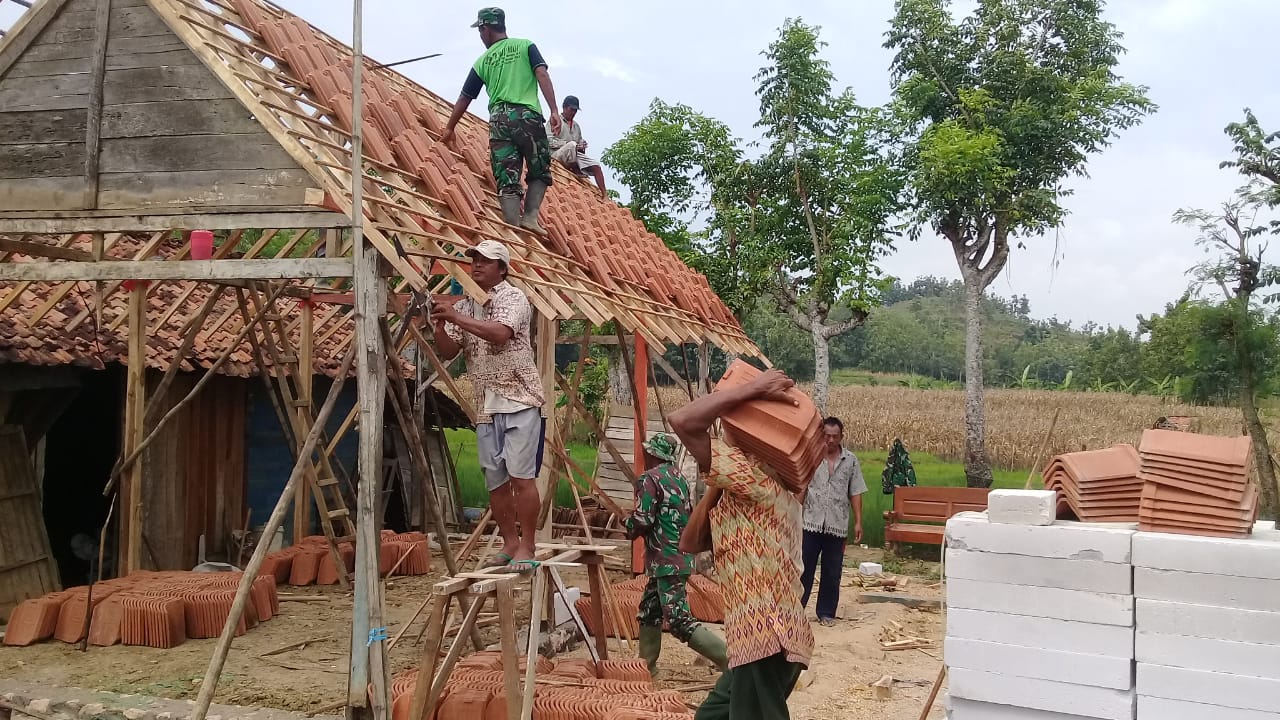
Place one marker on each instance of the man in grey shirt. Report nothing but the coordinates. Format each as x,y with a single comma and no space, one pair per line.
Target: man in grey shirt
568,147
837,485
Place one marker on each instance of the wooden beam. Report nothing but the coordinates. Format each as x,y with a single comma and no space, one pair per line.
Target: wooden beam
306,370
178,270
545,357
93,122
135,412
61,223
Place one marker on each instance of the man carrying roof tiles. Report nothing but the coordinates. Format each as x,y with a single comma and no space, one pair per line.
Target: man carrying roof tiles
567,146
494,338
753,520
662,510
512,70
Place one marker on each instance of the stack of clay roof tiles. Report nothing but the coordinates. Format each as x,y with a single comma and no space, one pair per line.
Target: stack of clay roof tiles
1097,485
310,562
156,609
786,437
436,200
1197,484
706,602
475,691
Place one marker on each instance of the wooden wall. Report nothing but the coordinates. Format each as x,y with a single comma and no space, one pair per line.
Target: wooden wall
171,134
27,568
194,474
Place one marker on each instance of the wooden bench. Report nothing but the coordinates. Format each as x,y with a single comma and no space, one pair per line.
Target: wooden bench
913,506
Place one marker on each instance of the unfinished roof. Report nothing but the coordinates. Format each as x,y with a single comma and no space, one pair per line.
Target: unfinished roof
425,203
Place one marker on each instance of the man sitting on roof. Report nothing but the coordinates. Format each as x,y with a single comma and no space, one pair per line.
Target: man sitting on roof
512,70
567,145
494,338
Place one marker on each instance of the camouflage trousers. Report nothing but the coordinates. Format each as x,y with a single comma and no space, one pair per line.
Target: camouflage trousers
518,136
665,599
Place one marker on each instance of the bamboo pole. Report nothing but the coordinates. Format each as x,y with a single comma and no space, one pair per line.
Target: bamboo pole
216,663
1044,445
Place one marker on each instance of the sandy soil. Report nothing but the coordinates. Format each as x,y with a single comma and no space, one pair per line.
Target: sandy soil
847,659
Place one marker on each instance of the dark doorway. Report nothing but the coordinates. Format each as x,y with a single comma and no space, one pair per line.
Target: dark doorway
80,449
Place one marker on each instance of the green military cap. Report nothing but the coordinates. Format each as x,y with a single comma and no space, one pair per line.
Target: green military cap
490,16
661,446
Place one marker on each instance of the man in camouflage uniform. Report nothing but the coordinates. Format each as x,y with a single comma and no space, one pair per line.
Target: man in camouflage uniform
662,510
512,70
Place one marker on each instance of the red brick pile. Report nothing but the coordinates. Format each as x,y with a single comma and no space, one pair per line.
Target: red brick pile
706,602
155,609
475,692
310,562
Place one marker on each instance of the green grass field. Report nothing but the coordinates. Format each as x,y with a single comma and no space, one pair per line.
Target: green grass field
929,471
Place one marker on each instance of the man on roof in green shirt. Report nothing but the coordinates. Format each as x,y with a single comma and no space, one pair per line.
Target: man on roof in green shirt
512,70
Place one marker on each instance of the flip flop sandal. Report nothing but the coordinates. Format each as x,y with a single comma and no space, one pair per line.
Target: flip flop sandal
499,560
523,566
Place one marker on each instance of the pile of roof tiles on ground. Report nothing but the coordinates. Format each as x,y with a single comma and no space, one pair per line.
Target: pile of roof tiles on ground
400,130
706,602
1178,482
155,609
311,563
475,691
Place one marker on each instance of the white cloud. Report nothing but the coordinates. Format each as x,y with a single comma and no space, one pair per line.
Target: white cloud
612,69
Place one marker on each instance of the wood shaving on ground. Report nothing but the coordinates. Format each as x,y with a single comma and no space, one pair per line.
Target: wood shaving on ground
883,582
893,636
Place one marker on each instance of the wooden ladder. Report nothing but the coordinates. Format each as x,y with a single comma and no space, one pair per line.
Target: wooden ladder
293,381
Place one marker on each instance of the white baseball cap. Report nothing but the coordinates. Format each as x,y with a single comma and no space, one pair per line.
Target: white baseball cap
493,250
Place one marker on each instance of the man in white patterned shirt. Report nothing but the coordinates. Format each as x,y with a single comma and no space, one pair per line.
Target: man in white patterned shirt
494,337
837,485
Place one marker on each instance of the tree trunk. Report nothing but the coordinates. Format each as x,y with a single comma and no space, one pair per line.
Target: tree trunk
619,383
977,469
704,369
1257,431
821,365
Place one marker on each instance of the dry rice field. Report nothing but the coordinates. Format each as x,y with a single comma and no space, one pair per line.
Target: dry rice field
933,420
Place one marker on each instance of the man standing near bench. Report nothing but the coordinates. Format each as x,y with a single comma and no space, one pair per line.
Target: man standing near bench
837,485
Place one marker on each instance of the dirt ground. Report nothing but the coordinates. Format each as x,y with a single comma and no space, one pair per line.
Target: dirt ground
847,659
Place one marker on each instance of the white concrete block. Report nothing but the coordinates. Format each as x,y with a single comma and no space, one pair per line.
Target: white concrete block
1256,557
1207,621
1022,507
1210,688
1028,662
1089,575
1164,709
1075,605
1062,635
870,568
1201,589
1104,542
1223,656
1045,695
972,710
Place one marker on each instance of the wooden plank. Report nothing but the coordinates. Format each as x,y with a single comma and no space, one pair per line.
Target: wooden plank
194,152
135,410
169,82
26,565
55,92
54,126
60,193
40,160
93,122
253,269
122,52
65,222
203,188
224,116
25,31
137,21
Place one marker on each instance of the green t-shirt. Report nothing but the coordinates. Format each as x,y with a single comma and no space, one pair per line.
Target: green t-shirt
506,69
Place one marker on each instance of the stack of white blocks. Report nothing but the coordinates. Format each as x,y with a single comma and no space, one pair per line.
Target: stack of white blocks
1040,617
1208,626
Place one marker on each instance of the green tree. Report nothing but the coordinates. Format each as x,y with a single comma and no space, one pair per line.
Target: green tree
820,197
1233,236
1003,106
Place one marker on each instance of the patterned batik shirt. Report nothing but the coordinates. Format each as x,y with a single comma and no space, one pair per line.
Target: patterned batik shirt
507,368
755,530
663,507
826,503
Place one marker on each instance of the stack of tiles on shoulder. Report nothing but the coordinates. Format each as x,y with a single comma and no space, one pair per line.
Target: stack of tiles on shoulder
1040,620
1208,614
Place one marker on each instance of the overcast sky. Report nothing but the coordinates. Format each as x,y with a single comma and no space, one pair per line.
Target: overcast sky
1118,254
